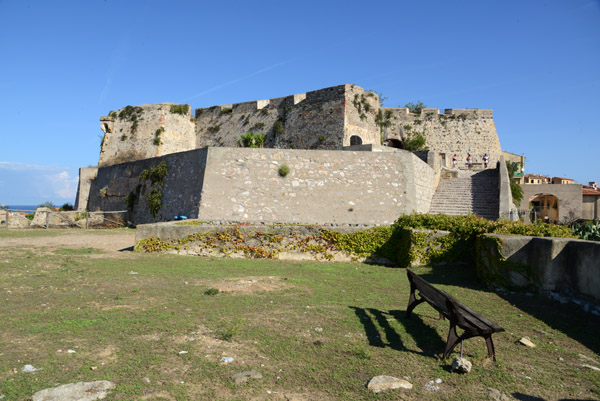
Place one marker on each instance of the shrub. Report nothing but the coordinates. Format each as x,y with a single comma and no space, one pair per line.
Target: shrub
587,231
182,109
415,107
29,216
251,140
130,112
198,112
211,291
47,204
284,170
67,207
414,141
278,127
154,200
226,110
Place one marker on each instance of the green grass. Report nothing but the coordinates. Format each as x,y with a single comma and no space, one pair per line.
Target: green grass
324,329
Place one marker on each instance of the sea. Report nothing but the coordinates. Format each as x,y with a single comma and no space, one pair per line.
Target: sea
22,208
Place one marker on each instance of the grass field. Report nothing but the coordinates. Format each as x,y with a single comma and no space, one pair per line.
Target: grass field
316,331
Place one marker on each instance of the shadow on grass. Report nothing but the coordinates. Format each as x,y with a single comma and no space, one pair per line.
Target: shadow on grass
567,318
381,334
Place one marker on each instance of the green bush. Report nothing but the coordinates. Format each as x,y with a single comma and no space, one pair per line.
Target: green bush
284,170
251,140
67,207
29,216
588,231
278,127
47,204
182,109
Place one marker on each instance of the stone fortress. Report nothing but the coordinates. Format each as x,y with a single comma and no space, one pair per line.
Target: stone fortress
344,153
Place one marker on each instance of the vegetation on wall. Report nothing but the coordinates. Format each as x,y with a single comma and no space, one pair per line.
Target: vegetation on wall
383,120
278,127
413,140
252,140
415,107
214,129
182,109
226,110
515,188
156,141
156,175
198,112
284,170
130,113
362,105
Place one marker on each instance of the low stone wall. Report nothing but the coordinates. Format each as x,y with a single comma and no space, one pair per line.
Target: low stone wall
549,264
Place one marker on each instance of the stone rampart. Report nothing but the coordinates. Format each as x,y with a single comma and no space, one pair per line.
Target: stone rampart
321,187
329,119
140,132
86,176
456,131
120,187
551,264
241,184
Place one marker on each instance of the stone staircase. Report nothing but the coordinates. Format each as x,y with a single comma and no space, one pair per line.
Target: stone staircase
472,192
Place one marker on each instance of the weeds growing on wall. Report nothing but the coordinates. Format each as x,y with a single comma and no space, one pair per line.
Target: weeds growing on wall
156,175
182,109
278,127
156,141
415,107
130,113
284,170
252,140
198,112
383,120
414,140
226,110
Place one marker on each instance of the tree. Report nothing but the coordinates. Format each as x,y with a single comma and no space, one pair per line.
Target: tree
415,107
47,204
414,141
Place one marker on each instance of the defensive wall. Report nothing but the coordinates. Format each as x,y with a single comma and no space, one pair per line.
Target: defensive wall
245,185
551,264
327,119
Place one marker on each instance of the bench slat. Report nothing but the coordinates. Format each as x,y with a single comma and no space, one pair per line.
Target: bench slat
473,323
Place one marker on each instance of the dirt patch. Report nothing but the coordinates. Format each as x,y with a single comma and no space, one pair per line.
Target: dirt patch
111,244
248,285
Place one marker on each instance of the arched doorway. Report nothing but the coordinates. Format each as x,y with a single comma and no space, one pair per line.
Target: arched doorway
544,207
355,140
395,143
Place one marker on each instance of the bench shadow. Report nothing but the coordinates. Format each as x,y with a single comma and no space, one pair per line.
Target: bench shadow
567,318
381,334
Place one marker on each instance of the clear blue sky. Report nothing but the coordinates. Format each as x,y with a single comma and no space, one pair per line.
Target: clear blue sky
66,63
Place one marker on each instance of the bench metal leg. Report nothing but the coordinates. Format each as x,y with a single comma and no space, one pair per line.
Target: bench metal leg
490,347
412,302
453,340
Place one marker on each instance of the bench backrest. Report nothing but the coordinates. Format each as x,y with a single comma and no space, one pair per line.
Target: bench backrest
451,307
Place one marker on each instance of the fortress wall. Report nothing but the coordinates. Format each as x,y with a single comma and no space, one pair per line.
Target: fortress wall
128,139
180,194
322,186
314,120
360,117
457,131
86,176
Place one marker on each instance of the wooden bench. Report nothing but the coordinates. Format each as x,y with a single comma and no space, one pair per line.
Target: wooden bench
460,315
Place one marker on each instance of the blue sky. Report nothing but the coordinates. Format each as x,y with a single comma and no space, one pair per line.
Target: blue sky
66,63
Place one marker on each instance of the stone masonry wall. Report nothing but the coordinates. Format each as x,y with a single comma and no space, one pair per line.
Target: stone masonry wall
86,176
181,191
235,184
457,131
322,187
327,118
141,132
